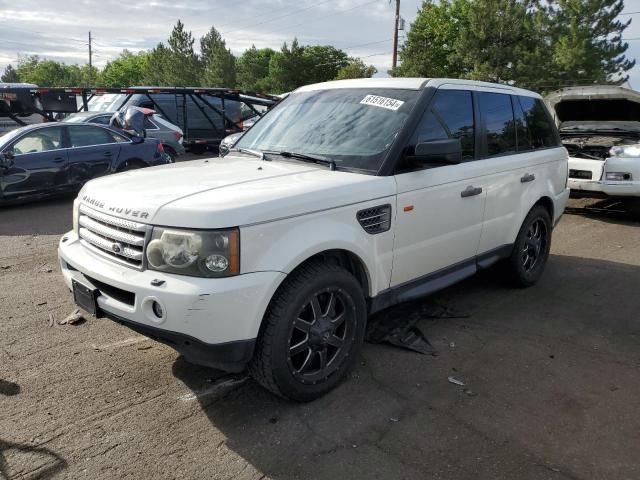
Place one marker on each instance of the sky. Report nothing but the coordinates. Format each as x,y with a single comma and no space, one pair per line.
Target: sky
58,29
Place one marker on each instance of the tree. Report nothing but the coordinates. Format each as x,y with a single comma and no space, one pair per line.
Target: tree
322,63
286,68
183,67
127,70
431,45
356,68
156,68
10,75
218,62
252,69
587,42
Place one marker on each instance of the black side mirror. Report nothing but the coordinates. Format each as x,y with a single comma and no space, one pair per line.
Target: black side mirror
6,159
438,151
136,139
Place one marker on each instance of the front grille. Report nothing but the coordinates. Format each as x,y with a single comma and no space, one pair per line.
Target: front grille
581,174
376,219
120,239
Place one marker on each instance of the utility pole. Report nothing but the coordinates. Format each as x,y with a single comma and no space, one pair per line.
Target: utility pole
395,35
90,52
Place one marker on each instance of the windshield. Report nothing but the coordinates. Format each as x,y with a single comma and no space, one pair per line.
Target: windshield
352,127
107,102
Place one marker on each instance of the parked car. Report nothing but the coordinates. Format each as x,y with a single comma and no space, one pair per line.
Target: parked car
228,142
600,127
346,198
45,159
155,126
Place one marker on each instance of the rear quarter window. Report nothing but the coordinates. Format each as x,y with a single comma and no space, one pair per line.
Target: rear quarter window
499,125
541,129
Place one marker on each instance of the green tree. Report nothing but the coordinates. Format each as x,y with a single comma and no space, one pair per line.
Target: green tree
356,68
183,67
127,70
322,63
587,42
286,68
253,69
431,46
10,75
156,69
219,64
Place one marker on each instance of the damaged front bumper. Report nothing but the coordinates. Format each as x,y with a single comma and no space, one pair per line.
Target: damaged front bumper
212,322
588,178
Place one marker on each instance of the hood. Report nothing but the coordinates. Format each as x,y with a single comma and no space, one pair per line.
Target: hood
228,192
596,106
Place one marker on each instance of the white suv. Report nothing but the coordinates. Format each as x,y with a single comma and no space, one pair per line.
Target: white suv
348,197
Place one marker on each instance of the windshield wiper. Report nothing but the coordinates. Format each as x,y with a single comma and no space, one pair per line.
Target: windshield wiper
250,151
308,158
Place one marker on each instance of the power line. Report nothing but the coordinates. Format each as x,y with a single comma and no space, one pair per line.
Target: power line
627,13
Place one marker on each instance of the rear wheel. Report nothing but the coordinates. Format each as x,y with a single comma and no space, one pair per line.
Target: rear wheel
311,333
531,249
170,153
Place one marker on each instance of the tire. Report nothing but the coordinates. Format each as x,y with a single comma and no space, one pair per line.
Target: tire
172,155
531,249
318,312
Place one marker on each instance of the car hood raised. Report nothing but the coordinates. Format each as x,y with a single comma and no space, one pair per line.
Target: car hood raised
230,191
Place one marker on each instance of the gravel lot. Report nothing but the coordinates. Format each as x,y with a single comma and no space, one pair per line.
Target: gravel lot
551,379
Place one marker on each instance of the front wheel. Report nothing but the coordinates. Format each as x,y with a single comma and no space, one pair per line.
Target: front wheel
531,249
311,334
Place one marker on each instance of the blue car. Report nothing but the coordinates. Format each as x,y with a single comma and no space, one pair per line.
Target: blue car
46,159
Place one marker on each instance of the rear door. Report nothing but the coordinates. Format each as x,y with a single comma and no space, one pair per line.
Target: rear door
518,156
93,150
39,166
440,207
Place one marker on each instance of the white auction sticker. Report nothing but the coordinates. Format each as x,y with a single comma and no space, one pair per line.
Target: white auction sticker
384,102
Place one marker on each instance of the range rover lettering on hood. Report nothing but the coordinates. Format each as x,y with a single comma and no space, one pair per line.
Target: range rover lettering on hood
130,212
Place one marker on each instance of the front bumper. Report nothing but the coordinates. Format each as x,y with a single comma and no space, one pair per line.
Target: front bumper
212,322
610,188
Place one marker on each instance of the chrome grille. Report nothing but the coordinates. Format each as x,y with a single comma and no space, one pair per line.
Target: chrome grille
376,219
119,239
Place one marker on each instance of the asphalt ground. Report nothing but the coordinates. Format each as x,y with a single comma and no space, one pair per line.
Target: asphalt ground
551,380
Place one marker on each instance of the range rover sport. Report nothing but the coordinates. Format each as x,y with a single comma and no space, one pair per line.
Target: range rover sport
346,198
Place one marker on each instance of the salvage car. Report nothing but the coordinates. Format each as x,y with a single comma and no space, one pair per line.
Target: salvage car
53,158
155,126
346,198
600,127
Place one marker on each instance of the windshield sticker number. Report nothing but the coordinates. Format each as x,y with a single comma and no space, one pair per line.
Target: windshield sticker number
383,102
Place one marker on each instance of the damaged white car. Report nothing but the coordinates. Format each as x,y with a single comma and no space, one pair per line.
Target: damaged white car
600,127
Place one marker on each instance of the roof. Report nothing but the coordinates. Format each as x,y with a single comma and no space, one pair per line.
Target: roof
410,83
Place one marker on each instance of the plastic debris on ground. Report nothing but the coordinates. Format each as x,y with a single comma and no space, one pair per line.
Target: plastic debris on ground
74,318
398,326
455,381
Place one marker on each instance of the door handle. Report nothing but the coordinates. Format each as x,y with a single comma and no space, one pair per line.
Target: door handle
471,191
58,160
108,154
527,177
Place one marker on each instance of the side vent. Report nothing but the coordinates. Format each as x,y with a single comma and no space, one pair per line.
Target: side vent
375,219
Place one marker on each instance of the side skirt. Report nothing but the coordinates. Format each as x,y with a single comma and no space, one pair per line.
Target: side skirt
433,282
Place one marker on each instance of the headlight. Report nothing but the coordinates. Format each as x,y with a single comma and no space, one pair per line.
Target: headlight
76,214
625,151
619,176
200,253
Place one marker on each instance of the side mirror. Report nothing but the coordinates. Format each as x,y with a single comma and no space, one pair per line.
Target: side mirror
136,139
438,151
6,159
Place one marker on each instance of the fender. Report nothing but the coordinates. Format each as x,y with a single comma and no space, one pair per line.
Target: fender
283,245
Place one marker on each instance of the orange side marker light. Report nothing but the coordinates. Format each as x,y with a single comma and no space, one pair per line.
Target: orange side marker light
408,208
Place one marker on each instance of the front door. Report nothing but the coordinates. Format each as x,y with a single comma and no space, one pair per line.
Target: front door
39,165
440,207
94,150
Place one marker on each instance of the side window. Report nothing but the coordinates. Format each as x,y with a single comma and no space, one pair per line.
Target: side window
41,140
523,133
86,136
539,122
449,116
101,120
497,115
